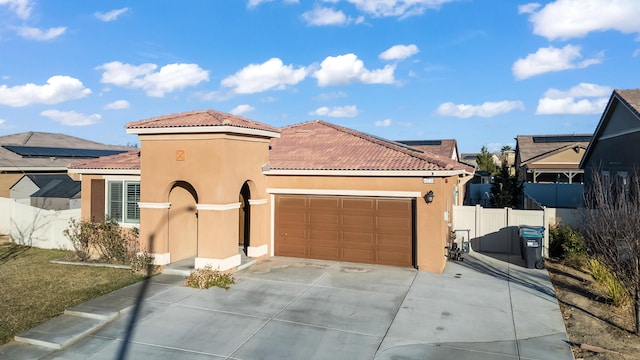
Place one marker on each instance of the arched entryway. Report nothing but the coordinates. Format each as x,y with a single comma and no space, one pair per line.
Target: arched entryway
183,222
245,219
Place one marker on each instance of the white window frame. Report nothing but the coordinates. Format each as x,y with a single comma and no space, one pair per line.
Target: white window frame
123,221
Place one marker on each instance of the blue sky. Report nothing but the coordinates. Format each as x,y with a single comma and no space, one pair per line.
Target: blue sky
479,71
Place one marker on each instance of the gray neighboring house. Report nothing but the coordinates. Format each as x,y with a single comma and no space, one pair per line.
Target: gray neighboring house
614,150
47,191
35,152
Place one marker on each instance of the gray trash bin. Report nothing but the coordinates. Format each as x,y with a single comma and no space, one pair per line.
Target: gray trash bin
531,239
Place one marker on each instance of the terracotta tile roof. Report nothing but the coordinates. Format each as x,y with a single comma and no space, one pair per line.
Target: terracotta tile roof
199,118
318,145
444,147
124,161
530,147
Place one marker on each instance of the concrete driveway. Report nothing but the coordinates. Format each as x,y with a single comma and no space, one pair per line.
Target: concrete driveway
283,308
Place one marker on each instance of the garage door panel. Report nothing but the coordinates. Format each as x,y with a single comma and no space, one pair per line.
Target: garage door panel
355,229
351,237
323,219
324,252
394,258
385,205
324,235
366,221
293,250
394,225
358,255
291,201
317,203
358,204
286,233
292,216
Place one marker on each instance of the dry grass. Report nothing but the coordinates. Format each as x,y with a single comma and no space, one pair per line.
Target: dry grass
33,290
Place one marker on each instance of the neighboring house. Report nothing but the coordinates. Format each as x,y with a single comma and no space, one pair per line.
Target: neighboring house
614,150
44,153
470,159
211,185
550,158
47,191
446,147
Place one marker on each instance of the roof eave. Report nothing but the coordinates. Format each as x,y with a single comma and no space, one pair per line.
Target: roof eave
203,129
373,173
105,171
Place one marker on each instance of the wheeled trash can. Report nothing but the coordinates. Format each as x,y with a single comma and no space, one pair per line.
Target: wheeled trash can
531,239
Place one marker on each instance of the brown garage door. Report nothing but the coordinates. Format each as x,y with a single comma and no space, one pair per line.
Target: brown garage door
354,229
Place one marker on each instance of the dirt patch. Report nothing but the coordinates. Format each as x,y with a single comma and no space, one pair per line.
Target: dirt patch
590,320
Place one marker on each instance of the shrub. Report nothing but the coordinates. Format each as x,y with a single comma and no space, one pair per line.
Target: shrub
81,234
110,242
565,242
207,277
613,288
143,263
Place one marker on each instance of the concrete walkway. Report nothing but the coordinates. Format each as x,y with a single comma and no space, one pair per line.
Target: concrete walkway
283,308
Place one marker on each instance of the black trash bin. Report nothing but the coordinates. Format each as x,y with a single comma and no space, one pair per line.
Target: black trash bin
531,239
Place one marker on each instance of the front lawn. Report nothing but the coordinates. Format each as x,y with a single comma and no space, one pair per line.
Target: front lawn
33,290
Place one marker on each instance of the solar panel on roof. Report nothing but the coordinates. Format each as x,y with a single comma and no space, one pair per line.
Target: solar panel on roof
562,138
37,151
422,142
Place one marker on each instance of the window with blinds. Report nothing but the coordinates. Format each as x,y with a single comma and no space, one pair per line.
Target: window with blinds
122,201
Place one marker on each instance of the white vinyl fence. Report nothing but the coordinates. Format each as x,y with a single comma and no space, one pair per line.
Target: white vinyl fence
496,230
33,226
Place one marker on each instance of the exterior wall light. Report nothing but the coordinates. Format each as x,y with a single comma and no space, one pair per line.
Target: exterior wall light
428,197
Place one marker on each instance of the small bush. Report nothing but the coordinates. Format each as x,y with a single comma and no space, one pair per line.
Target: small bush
81,233
108,241
613,288
143,263
565,242
207,277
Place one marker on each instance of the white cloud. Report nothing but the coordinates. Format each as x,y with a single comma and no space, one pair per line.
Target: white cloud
336,111
169,78
57,89
383,123
565,19
110,15
345,69
325,16
38,34
22,8
117,105
580,90
241,109
399,52
330,96
528,8
551,59
486,109
71,118
272,74
582,99
399,8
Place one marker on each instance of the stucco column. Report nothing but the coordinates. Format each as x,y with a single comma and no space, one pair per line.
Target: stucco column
154,223
218,236
258,232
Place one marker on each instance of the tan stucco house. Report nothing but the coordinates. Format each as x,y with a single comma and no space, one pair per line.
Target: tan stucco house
211,186
551,158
